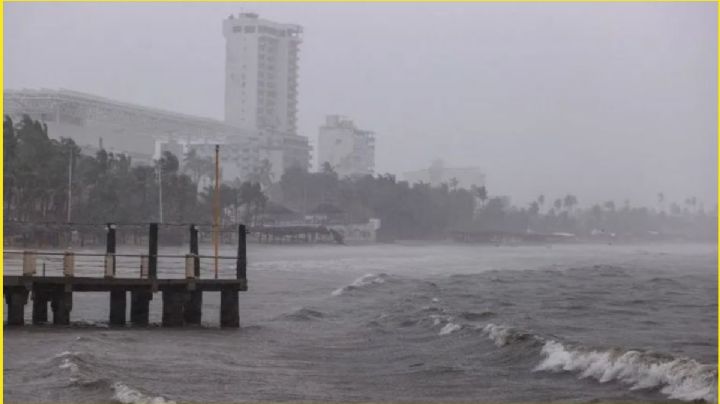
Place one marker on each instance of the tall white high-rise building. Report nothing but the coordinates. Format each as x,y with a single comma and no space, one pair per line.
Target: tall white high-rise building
261,87
349,150
261,73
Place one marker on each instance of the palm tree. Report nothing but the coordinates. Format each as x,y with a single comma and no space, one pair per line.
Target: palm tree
570,201
262,174
482,194
197,166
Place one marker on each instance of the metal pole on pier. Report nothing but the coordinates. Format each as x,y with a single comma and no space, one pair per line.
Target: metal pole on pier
216,215
69,204
160,201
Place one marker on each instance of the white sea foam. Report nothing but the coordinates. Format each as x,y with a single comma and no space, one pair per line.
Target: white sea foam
449,328
127,395
66,362
678,378
500,334
365,280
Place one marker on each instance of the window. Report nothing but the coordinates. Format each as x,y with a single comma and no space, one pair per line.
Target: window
237,28
249,29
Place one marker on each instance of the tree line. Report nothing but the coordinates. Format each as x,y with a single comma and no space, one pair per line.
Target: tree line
108,187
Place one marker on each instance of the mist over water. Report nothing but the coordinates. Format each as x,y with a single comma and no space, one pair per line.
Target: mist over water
412,323
457,202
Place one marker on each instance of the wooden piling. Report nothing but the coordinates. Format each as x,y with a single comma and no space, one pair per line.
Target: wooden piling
16,300
140,307
193,306
61,306
118,307
173,307
40,306
229,308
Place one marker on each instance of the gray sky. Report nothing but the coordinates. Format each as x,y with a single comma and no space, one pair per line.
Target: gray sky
606,101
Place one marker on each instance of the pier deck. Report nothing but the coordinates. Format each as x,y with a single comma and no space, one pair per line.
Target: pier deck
181,297
90,284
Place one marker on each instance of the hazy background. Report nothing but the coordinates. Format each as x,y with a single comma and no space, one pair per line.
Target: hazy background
606,101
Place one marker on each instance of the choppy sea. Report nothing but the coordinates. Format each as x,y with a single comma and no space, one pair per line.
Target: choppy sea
405,323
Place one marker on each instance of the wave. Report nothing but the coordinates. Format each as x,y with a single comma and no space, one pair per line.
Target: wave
678,378
303,314
363,281
449,328
127,395
79,365
503,335
473,316
448,324
70,361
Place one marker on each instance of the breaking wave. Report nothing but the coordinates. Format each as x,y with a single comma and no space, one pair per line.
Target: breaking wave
363,281
676,377
449,328
127,395
79,366
503,335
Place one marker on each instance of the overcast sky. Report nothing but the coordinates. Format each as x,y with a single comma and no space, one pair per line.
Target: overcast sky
606,101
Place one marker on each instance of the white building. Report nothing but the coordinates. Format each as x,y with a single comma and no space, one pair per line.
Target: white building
261,81
260,109
349,150
140,132
261,73
465,177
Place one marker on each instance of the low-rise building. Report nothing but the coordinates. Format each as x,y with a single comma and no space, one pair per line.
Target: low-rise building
437,173
349,150
143,133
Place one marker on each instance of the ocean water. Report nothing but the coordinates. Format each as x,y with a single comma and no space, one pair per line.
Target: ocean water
404,323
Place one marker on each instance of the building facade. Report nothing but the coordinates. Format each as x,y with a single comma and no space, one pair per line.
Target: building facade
261,73
437,173
260,109
349,150
142,133
261,87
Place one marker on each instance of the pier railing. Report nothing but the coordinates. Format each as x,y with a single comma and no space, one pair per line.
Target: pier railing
52,276
111,263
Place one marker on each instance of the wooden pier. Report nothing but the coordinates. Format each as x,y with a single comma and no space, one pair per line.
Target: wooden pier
295,234
181,298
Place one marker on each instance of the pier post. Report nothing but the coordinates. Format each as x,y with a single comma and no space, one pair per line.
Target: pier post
140,307
173,307
40,306
16,299
118,307
241,265
194,248
229,308
193,306
61,306
110,250
152,251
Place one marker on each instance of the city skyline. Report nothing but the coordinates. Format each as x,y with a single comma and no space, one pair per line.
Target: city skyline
636,114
